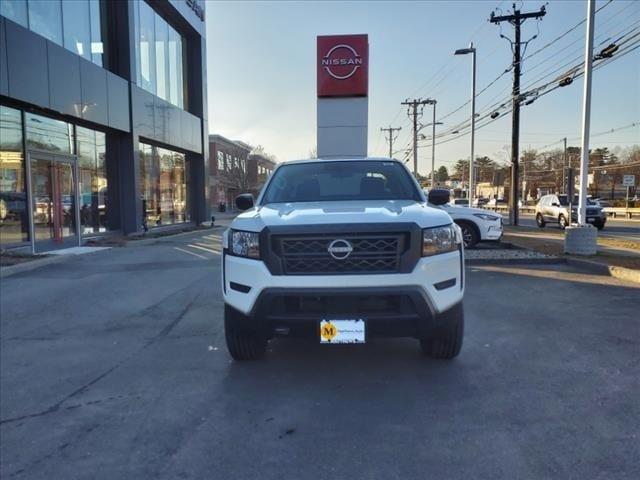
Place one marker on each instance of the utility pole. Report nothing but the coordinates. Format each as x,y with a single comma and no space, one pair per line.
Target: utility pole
391,137
414,108
517,19
564,170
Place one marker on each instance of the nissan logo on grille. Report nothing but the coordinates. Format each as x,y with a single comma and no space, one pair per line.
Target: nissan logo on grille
340,249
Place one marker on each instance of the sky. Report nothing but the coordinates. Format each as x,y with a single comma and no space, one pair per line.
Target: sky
262,72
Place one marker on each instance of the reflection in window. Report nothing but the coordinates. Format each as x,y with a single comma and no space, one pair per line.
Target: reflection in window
77,32
97,47
146,46
162,39
74,24
48,135
14,226
163,186
92,181
45,18
15,10
175,68
220,161
159,56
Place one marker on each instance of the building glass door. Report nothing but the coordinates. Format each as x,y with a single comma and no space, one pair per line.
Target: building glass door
53,200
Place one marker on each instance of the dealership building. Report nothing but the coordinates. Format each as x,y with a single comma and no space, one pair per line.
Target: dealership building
103,119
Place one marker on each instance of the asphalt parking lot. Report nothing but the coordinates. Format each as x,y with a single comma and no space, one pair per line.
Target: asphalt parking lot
113,365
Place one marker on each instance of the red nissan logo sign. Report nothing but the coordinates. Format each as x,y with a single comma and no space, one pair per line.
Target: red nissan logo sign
343,66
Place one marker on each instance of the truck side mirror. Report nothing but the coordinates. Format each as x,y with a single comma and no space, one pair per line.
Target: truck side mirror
439,196
244,201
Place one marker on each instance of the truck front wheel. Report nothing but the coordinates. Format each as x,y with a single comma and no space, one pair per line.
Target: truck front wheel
243,343
446,341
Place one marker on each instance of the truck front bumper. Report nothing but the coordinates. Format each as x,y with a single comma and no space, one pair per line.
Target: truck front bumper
435,285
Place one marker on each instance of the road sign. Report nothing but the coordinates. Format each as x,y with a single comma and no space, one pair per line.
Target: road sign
629,180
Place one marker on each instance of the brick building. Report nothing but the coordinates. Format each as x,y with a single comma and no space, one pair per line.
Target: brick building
233,170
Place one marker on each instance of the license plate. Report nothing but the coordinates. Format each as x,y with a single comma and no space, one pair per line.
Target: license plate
342,331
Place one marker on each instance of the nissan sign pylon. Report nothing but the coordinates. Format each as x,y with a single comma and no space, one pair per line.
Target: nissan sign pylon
343,87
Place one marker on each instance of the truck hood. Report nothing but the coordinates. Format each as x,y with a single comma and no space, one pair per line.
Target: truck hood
350,212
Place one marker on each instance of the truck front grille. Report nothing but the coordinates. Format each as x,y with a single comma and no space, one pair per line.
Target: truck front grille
309,255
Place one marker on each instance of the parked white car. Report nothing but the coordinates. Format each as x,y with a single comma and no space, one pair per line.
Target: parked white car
477,225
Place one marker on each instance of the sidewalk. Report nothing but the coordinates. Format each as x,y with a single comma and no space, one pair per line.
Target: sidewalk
620,258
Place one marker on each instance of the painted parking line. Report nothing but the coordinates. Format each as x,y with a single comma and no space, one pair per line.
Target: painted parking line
206,249
191,253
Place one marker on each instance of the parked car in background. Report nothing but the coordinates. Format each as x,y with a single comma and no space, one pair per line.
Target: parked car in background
477,225
480,201
555,209
500,202
460,202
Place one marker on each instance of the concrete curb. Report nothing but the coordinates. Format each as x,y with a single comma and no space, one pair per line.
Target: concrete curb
10,270
514,261
622,273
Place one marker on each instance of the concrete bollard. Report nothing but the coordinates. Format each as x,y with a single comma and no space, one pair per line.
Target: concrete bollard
581,240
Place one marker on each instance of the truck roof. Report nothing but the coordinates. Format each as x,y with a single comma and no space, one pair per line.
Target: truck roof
320,160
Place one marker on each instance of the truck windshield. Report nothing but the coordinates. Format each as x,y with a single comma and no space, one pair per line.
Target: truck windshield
340,181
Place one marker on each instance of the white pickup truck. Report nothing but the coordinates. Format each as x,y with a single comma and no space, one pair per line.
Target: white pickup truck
342,251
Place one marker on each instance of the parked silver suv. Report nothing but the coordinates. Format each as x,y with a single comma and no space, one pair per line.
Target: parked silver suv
555,208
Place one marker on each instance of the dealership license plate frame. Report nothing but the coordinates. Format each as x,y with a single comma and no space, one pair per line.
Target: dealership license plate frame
345,331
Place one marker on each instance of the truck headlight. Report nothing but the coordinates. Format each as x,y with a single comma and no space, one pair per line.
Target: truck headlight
440,240
485,216
244,244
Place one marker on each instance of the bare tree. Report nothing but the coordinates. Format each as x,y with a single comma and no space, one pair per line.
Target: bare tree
239,172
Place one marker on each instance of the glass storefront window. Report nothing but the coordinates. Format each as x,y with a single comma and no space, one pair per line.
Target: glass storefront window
47,134
92,181
163,186
74,24
159,55
14,221
15,10
77,31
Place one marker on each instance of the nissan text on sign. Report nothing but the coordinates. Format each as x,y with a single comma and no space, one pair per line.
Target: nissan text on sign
343,87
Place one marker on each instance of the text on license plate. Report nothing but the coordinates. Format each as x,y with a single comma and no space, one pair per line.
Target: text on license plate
342,331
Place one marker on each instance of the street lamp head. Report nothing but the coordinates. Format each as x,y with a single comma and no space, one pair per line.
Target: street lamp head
464,51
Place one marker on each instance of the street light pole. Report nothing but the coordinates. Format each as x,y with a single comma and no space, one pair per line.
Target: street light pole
433,149
586,115
472,51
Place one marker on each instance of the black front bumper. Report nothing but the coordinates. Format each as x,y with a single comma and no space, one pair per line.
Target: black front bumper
387,311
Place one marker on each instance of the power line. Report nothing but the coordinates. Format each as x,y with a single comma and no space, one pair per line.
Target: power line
554,56
539,90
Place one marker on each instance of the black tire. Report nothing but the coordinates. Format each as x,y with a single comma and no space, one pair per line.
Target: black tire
562,221
599,225
470,234
242,342
446,342
540,220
